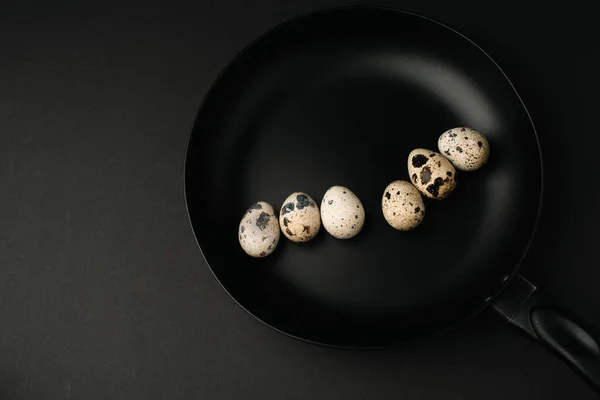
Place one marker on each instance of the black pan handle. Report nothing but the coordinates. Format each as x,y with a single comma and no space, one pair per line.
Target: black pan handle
525,307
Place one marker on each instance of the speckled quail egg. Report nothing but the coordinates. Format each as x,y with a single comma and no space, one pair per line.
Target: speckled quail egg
402,206
258,232
431,173
342,213
468,149
299,218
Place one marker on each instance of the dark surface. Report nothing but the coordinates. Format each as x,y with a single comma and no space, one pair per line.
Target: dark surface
341,97
103,292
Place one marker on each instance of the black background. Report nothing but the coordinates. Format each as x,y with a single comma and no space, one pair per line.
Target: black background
103,292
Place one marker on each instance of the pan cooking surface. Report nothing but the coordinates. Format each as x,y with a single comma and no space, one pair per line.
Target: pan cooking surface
340,97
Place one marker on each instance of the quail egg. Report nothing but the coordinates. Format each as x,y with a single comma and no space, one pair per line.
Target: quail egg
402,206
299,218
431,173
342,213
258,231
468,149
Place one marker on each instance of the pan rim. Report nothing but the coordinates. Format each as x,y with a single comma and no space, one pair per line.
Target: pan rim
506,280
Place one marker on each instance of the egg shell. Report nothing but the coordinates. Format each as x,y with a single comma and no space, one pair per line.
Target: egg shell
258,232
466,148
299,218
342,213
431,173
402,206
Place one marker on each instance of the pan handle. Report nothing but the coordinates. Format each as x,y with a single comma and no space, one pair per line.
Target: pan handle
525,307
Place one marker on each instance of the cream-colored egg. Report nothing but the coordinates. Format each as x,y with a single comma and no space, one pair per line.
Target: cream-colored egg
299,218
431,173
468,149
342,213
402,206
258,232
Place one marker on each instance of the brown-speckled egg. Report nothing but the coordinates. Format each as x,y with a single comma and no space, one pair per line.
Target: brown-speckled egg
431,173
299,218
342,213
402,206
258,232
468,149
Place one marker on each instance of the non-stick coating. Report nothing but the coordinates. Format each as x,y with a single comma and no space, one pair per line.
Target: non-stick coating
340,97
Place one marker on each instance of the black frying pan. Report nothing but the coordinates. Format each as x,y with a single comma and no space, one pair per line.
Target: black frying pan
340,97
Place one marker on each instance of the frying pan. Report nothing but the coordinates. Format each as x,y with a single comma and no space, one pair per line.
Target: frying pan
340,97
